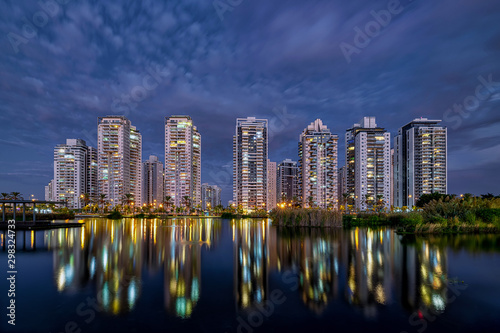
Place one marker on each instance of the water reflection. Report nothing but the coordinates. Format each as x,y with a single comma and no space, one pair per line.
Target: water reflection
374,264
365,268
113,254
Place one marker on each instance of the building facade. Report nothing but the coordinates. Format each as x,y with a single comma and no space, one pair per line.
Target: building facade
420,161
271,185
71,177
318,166
119,147
287,178
152,181
210,196
342,186
250,153
92,175
182,161
368,161
49,191
136,165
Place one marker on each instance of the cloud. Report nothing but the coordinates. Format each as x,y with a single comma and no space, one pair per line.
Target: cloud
264,55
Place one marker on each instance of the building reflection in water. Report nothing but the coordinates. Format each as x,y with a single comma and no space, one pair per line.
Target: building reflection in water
367,268
184,240
251,261
313,254
376,267
112,255
423,271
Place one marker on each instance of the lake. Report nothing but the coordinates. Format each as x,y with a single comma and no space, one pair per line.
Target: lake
213,275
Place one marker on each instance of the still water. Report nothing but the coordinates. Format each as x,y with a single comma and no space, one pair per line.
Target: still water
212,275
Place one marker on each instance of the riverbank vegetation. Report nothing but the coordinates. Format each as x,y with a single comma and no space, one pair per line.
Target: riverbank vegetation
300,217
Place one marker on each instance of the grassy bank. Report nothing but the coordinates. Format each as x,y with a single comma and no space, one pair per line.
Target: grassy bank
446,215
299,217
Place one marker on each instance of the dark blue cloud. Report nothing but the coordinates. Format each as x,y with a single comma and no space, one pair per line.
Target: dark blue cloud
263,56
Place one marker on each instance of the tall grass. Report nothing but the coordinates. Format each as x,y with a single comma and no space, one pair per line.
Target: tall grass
300,217
455,215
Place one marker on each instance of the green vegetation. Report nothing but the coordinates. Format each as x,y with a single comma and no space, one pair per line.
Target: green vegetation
440,214
467,214
115,215
300,217
381,219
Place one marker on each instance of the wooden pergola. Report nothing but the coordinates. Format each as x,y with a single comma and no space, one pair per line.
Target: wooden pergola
24,203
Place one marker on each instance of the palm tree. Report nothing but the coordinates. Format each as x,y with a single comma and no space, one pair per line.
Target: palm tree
380,202
187,202
167,202
16,196
5,196
311,201
102,201
345,196
128,198
219,209
86,199
367,200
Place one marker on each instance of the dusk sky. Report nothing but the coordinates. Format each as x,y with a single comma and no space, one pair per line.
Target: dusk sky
288,61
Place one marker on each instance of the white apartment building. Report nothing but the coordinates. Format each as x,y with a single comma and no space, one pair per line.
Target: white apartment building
182,161
49,191
271,185
420,161
152,181
368,161
136,165
119,149
250,153
70,173
318,166
92,175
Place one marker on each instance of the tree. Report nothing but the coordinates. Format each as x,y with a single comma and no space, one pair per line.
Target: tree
5,196
102,201
85,199
380,202
426,198
128,198
16,196
187,202
368,200
219,209
311,201
345,196
167,202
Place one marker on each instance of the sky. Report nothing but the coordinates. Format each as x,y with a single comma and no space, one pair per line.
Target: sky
63,63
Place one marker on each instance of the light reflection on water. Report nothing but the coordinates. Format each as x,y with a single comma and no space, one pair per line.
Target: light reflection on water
365,268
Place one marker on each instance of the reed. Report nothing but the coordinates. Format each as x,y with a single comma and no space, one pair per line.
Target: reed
301,217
